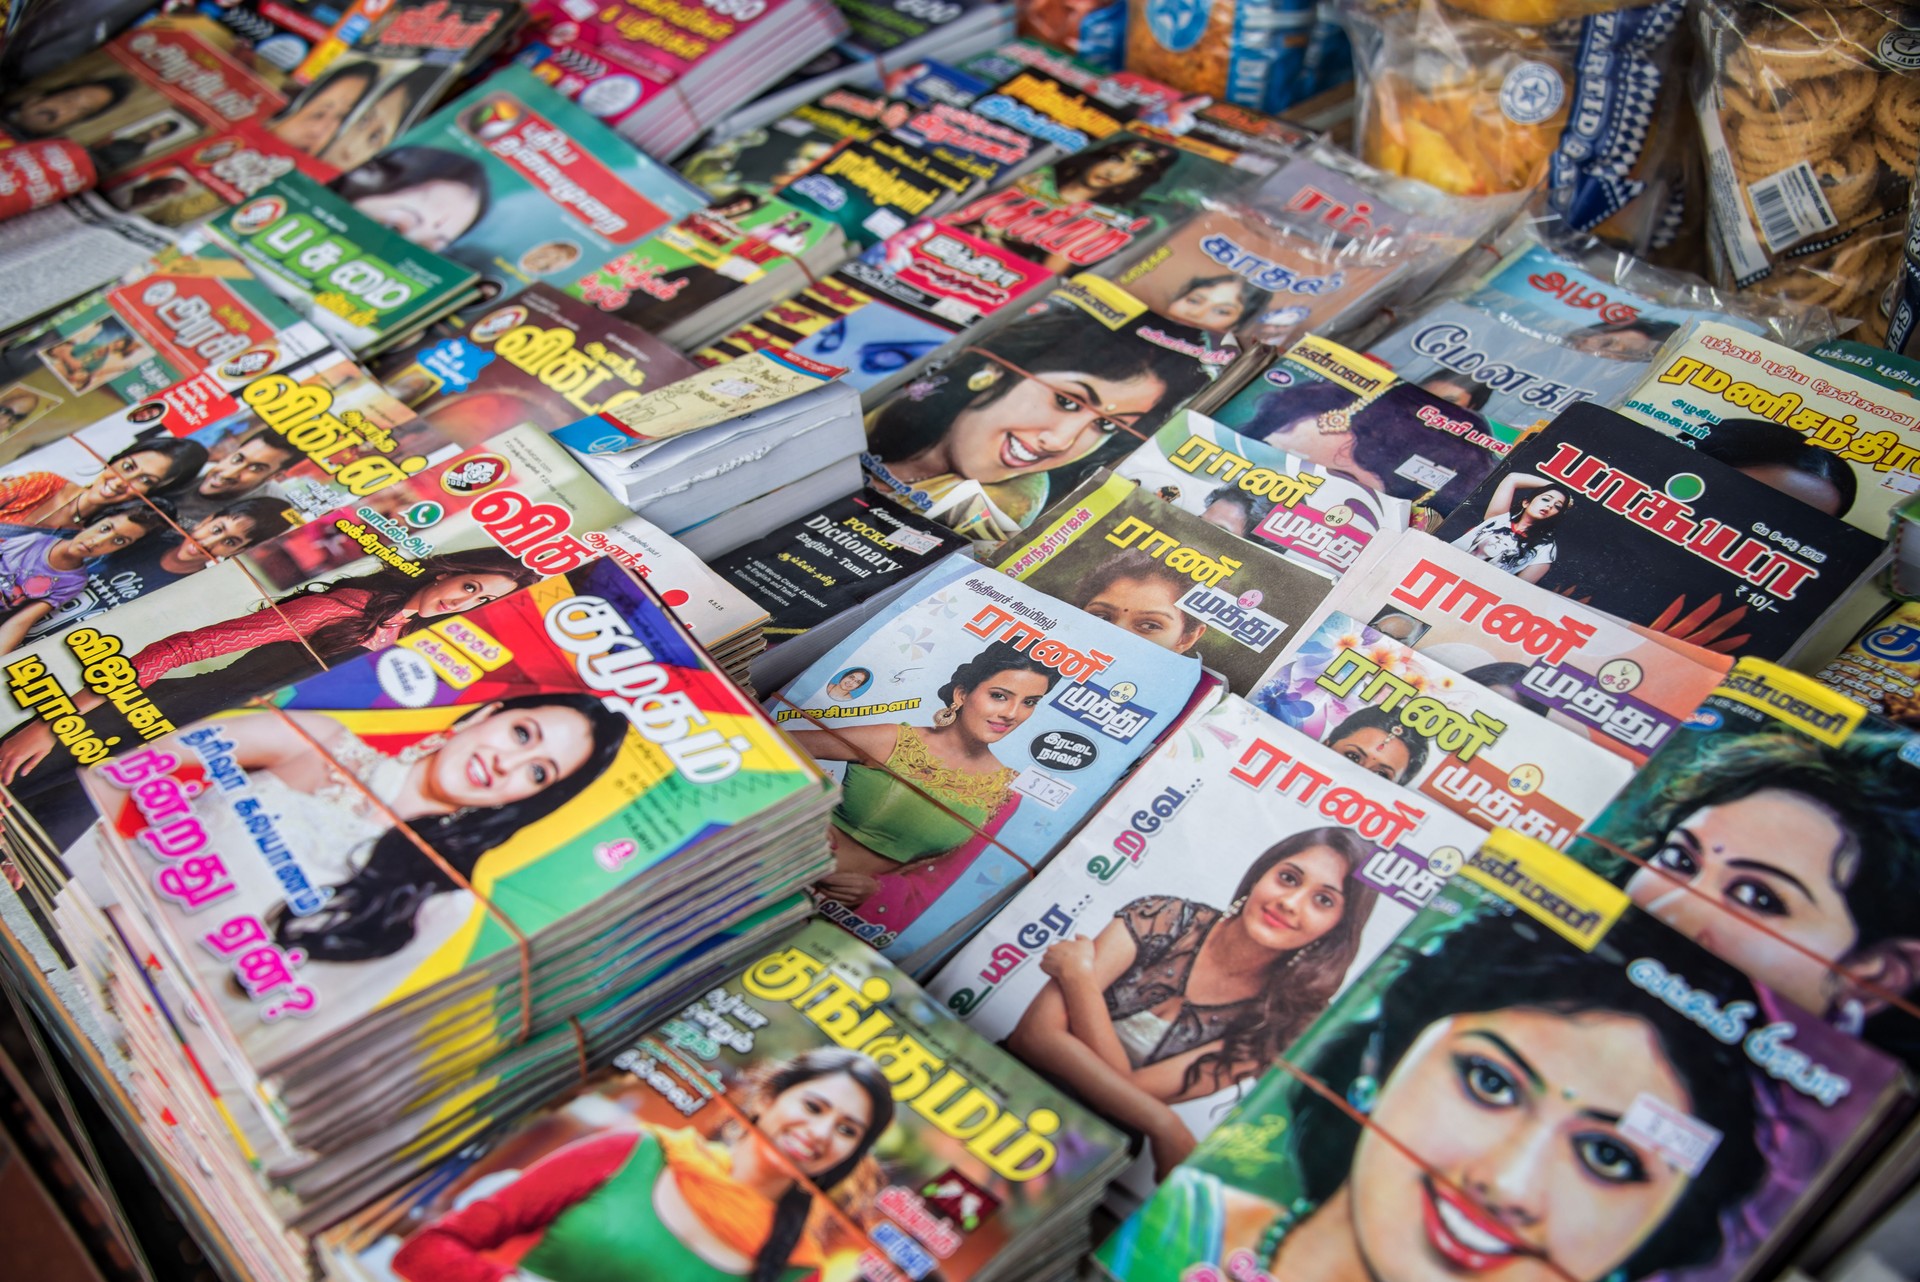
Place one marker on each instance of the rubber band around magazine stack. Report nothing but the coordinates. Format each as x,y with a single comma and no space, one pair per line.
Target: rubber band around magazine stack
816,722
521,943
245,569
1894,1000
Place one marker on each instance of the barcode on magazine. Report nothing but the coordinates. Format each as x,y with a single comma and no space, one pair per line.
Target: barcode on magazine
1791,207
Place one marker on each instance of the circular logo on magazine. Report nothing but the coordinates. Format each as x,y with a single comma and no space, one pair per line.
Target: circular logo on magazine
1251,599
424,513
494,324
1063,750
218,152
1685,487
1531,93
1445,861
1178,24
1900,49
1705,719
1279,377
611,96
253,361
1337,515
481,472
257,215
1526,780
406,678
1123,693
1620,675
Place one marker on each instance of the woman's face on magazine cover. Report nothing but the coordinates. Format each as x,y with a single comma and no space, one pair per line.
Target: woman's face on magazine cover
452,593
430,214
1519,1110
1148,608
506,756
371,132
137,473
1116,170
1375,751
58,109
317,119
1037,426
999,705
1545,504
819,1123
1215,308
1770,857
1299,900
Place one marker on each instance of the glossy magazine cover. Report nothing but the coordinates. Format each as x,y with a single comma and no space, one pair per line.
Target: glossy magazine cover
518,184
100,517
1126,557
363,284
1363,422
978,721
1469,743
1535,1078
1745,399
767,158
548,747
190,311
985,439
1595,508
1881,666
1779,829
544,358
945,275
761,1128
1260,493
837,322
1626,687
357,579
1313,866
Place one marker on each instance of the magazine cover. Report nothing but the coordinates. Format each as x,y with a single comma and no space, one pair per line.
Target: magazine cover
670,277
545,358
186,312
840,321
1128,558
364,285
518,184
1196,974
1087,207
1831,438
969,141
983,441
871,188
510,741
1452,738
808,572
1626,687
946,276
159,649
1536,1075
765,159
1309,514
1779,829
1069,117
1881,667
754,1136
1595,508
976,724
1363,423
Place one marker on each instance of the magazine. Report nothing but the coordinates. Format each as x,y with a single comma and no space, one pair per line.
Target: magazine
1044,708
710,1113
191,311
1626,687
178,117
1312,867
1087,207
1490,757
573,800
871,188
1594,508
364,285
983,440
1069,117
157,646
52,256
1838,441
944,275
518,184
1880,668
1126,557
1254,491
765,159
1356,418
1528,1015
545,358
1779,829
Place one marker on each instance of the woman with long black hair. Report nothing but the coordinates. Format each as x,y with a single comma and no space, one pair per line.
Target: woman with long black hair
431,196
1518,536
669,1205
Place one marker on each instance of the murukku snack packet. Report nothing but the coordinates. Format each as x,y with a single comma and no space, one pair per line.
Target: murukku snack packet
1810,118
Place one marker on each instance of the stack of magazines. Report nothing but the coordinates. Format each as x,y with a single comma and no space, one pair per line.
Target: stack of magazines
812,1114
475,859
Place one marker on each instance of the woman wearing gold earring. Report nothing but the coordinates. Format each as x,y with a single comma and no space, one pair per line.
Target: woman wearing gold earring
911,794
